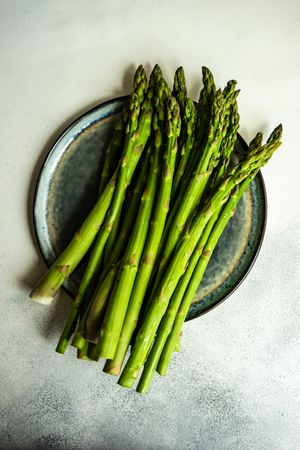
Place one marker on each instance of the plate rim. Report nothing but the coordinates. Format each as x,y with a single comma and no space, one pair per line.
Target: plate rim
38,183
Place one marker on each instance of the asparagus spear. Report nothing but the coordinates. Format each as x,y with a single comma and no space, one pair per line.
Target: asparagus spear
168,319
104,285
82,240
189,197
179,88
80,304
83,352
137,134
204,107
179,261
130,213
187,142
79,339
165,326
113,152
225,128
172,131
203,252
196,275
139,84
131,155
189,283
154,236
117,306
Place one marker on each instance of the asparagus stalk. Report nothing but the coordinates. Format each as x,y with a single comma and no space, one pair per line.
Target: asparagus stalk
188,287
117,306
116,312
165,326
102,288
65,264
226,133
83,238
135,243
83,352
188,199
156,229
139,84
203,253
112,238
133,147
113,259
80,304
113,152
187,142
130,213
179,261
137,134
95,313
132,210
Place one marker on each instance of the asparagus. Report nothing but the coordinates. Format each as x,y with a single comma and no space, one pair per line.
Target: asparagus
154,236
109,273
172,131
132,209
177,265
201,205
179,88
79,339
139,85
165,326
203,250
188,122
137,134
112,238
204,107
191,196
83,352
130,213
117,306
225,143
83,238
113,152
80,304
133,148
161,357
188,289
95,313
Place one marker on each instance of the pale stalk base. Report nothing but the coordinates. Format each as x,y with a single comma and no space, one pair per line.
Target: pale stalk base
41,298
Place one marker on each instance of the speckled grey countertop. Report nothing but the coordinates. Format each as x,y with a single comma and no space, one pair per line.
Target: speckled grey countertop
236,383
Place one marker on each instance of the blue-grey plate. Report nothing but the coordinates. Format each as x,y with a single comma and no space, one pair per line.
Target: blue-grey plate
67,189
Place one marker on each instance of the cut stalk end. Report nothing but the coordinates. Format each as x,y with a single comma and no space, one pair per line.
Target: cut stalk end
39,298
78,341
112,369
62,346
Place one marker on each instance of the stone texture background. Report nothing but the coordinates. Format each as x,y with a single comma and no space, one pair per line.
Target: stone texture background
236,383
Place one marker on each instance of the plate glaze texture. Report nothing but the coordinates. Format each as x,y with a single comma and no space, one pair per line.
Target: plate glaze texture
67,189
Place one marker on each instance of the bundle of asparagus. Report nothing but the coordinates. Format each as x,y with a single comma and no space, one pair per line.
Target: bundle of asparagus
167,190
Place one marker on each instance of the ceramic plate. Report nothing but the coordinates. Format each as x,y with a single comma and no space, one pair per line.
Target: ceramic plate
67,189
